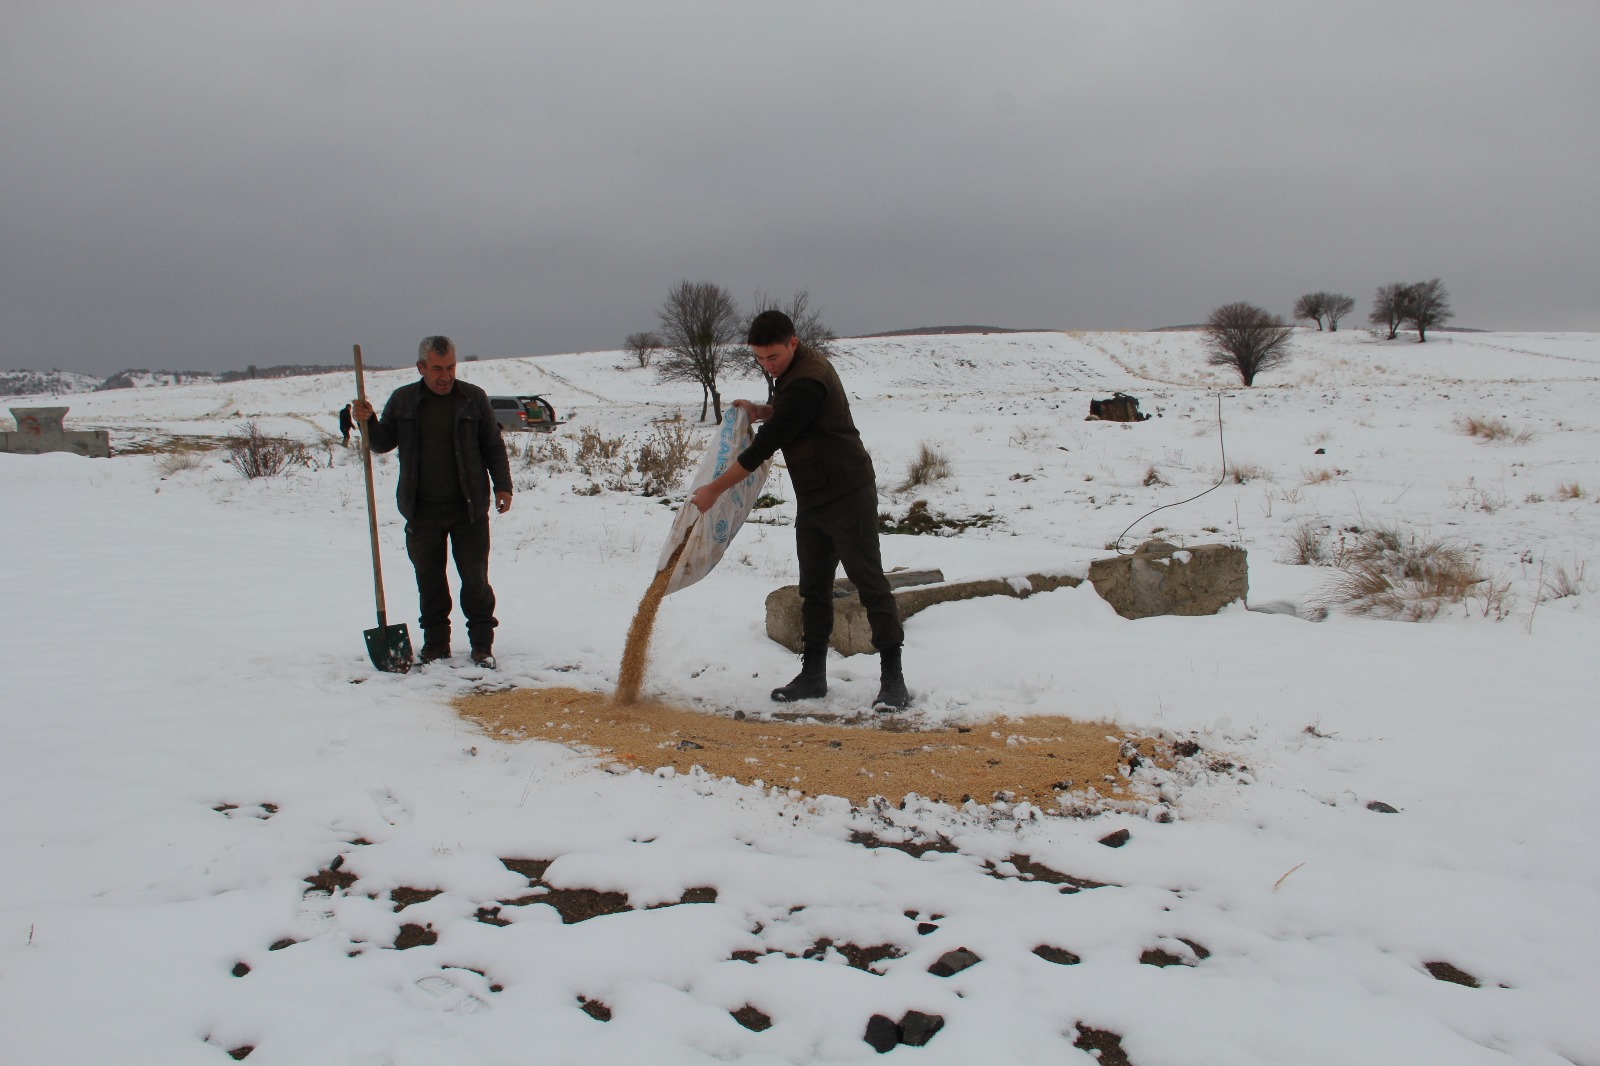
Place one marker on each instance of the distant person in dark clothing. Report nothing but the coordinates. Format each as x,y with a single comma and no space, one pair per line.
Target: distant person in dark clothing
450,452
836,498
345,423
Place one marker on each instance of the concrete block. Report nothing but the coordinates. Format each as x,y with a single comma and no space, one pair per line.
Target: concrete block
1156,579
41,429
1160,578
851,633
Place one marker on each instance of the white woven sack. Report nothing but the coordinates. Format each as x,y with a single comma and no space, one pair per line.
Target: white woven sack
715,530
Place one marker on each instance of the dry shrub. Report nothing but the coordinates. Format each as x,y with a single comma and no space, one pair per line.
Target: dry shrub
1570,491
1152,477
1495,429
1317,475
930,465
254,453
546,451
666,457
598,454
1390,573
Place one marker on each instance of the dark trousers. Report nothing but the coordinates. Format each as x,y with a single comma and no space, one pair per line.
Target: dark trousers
845,531
435,532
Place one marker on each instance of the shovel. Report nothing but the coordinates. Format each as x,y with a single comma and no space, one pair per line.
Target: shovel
388,646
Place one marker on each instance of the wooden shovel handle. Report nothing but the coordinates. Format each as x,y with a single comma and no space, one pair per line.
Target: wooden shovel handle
372,504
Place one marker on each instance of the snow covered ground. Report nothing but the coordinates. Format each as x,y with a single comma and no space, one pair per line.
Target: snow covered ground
192,730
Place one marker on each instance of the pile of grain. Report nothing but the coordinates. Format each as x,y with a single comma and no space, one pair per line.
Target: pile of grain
1034,759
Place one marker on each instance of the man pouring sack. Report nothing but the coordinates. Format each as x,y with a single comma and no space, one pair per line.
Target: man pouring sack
836,498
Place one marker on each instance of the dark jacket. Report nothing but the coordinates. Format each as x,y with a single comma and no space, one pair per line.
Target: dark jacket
480,450
811,423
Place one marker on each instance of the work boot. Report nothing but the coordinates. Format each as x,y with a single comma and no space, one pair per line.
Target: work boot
433,651
892,694
812,680
482,656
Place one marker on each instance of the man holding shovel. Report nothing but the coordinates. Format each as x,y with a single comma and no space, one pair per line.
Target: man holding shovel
837,499
450,452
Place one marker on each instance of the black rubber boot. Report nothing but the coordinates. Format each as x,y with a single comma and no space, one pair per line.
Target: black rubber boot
812,681
892,694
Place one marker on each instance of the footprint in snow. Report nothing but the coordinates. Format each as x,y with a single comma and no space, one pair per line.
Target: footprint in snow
393,811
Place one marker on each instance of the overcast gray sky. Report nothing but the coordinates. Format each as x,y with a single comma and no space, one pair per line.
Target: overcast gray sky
210,185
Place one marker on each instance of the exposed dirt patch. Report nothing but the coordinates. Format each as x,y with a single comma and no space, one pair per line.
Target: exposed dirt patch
753,1019
574,904
1043,761
405,896
415,936
1028,870
1103,1045
1163,957
1444,971
920,521
855,956
332,878
914,847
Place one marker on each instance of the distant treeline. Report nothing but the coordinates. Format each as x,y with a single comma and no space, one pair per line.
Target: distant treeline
35,382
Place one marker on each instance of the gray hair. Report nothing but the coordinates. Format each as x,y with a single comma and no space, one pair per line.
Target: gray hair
434,346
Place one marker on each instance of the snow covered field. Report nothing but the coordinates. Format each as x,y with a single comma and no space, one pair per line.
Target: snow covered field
192,730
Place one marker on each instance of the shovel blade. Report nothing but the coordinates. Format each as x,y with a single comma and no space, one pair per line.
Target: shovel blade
389,648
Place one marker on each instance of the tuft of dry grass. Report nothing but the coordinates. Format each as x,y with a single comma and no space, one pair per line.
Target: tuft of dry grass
1570,490
1390,573
177,461
1318,475
1495,429
1308,544
1240,473
1152,477
929,465
1564,583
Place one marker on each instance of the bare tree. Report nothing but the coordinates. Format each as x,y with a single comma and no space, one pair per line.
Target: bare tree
1426,305
808,326
1389,307
1311,307
1336,306
1246,338
1317,306
643,347
699,333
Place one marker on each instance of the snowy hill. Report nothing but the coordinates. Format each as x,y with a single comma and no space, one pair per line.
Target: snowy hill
44,382
224,832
